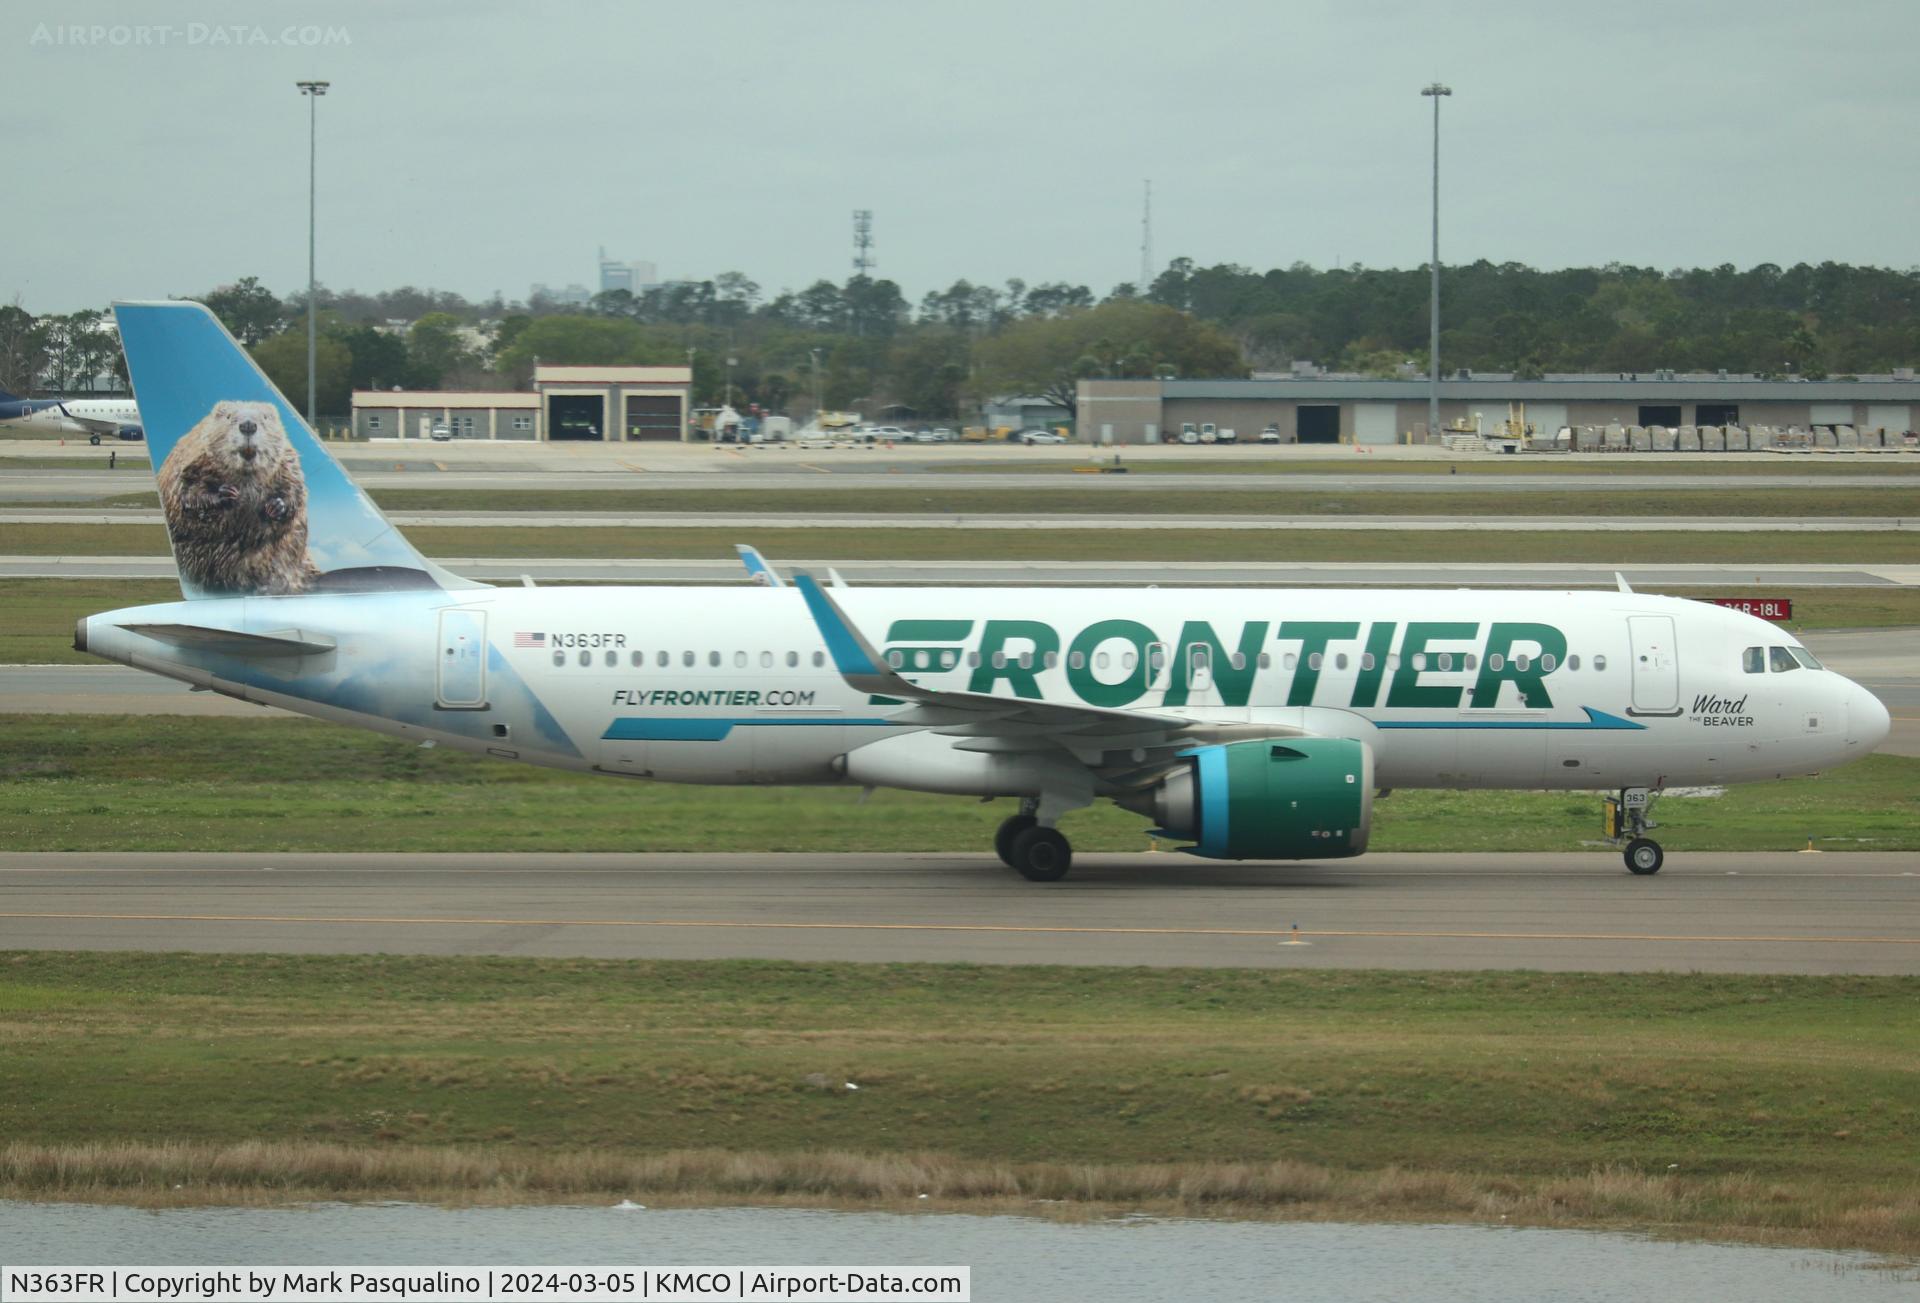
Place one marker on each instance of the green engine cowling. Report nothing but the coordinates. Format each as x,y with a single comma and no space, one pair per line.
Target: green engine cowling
1288,799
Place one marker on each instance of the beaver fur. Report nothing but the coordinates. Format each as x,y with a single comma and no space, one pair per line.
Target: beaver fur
236,504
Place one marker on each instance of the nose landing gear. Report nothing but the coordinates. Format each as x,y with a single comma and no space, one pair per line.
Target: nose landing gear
1627,820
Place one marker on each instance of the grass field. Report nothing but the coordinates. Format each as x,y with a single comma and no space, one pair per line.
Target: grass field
961,544
37,627
147,783
1352,463
1886,495
1778,1109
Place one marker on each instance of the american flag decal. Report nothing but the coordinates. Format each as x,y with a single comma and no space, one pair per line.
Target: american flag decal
529,639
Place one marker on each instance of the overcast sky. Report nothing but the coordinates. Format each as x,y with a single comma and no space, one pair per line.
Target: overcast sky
483,146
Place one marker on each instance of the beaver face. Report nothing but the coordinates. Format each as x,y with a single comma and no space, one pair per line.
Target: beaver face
249,439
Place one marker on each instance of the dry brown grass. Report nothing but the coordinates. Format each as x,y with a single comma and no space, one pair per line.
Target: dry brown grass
1736,1207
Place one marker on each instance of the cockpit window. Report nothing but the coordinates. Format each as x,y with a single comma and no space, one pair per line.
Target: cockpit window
1805,657
1781,660
1754,660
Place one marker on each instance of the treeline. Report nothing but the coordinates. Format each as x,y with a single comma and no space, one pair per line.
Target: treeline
862,344
1819,321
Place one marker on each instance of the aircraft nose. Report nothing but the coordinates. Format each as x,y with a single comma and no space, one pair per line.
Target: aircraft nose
1868,722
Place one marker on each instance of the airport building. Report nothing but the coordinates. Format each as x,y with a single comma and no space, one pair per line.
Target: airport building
600,404
1315,409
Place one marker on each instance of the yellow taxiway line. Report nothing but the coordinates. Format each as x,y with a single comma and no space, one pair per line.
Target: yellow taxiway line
457,921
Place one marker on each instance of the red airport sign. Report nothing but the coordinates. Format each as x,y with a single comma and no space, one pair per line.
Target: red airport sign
1777,609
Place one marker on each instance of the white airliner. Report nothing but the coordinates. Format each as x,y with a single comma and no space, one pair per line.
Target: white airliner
1254,724
101,418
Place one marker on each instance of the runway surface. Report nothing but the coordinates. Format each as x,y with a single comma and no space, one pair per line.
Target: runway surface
826,472
1068,522
1200,574
1788,913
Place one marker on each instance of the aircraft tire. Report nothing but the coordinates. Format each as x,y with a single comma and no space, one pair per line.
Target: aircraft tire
94,439
1010,827
1042,855
1644,856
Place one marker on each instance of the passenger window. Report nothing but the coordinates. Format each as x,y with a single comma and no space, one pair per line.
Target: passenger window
713,659
819,659
1446,661
1522,661
559,658
612,659
1026,660
1393,660
1289,661
1157,656
739,660
586,658
686,659
1100,660
897,658
1238,660
1266,661
1469,660
1076,660
1340,661
766,660
637,659
1599,664
1127,660
1315,660
1573,661
949,659
663,659
1366,660
1419,661
1781,660
1052,659
999,660
1547,662
1754,660
973,659
793,659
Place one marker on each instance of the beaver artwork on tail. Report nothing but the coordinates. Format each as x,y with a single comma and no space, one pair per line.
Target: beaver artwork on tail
236,504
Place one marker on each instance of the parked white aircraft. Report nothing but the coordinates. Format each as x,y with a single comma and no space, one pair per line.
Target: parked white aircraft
100,418
1253,724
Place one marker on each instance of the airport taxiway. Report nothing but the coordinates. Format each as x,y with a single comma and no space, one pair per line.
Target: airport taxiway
1762,912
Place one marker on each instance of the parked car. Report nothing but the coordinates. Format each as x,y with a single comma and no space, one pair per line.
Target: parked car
1270,435
441,432
1041,436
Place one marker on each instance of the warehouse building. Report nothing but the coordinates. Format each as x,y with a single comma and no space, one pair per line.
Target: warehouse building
1313,409
599,404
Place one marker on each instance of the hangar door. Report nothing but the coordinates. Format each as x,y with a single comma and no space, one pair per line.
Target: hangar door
1547,419
653,416
1376,423
576,416
1894,418
1314,423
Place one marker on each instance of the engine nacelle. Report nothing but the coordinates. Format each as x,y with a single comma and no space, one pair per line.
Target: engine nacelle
1287,799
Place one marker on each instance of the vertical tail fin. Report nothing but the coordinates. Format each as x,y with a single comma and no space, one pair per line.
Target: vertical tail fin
254,503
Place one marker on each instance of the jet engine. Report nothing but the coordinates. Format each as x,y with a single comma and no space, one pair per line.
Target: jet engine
1279,799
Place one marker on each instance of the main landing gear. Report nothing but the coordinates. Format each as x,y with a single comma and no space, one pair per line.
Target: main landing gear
1037,853
1627,820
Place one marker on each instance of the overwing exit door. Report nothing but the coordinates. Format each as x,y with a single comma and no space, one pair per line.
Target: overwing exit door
462,680
1656,666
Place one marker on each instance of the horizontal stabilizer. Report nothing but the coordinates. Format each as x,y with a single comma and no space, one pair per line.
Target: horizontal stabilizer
230,642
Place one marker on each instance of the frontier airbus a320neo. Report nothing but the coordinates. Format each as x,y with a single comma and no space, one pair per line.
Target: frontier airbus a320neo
1254,725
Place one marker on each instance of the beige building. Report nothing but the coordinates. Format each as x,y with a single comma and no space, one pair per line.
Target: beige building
603,404
1316,410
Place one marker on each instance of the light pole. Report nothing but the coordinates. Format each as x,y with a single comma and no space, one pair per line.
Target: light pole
1435,92
817,398
313,90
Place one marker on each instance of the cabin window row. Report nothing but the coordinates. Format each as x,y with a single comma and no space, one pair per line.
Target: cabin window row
688,659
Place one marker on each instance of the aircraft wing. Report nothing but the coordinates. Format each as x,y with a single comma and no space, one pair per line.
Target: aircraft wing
982,722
